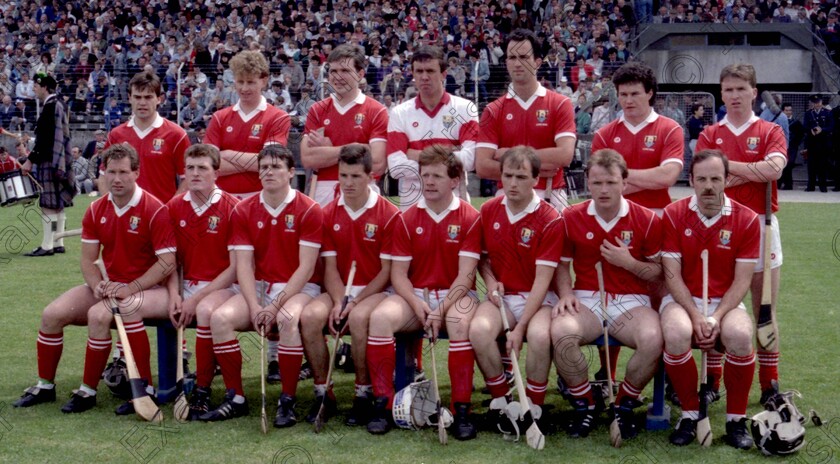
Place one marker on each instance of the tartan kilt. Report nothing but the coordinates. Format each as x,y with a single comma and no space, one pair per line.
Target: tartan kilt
57,192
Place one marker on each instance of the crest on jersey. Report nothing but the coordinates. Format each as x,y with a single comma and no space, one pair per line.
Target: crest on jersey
542,115
360,118
526,235
650,140
626,237
134,222
752,142
453,231
157,144
725,237
213,222
255,130
290,221
448,121
370,230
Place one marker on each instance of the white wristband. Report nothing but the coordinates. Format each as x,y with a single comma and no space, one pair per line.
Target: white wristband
711,320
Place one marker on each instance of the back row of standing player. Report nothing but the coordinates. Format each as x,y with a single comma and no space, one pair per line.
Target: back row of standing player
650,144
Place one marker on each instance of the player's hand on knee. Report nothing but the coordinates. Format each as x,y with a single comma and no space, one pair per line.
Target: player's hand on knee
703,334
494,293
187,309
99,291
514,342
567,305
175,309
433,323
336,320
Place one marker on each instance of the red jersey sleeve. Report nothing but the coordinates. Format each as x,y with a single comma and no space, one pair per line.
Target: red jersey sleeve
214,130
776,141
311,225
313,120
670,239
279,131
749,248
706,140
598,142
488,135
564,121
240,239
674,145
89,232
652,245
551,245
163,236
401,241
379,126
179,151
471,246
388,243
397,137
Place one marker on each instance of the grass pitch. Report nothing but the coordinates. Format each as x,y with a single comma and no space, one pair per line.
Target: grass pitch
809,325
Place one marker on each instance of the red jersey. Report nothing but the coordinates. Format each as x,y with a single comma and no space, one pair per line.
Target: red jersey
730,237
203,233
364,120
161,149
757,140
656,141
365,236
276,235
131,237
638,227
538,123
517,244
231,129
434,243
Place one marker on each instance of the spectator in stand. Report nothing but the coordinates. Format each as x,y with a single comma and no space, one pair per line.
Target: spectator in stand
113,114
7,161
695,125
581,72
7,110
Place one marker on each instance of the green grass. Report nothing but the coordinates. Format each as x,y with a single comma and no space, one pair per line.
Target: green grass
808,317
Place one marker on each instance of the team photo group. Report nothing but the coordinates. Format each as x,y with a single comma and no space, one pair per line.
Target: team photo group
214,236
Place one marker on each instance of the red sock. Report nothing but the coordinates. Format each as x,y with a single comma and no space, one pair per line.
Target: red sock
582,391
139,340
418,353
120,349
96,357
290,359
205,360
49,353
184,344
230,360
536,391
497,385
381,359
614,351
461,370
714,362
738,378
682,370
629,390
507,364
768,368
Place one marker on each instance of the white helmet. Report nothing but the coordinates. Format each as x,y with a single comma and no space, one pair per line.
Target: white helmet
775,435
415,407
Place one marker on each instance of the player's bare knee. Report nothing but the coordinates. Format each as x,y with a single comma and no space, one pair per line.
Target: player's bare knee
480,331
738,339
99,318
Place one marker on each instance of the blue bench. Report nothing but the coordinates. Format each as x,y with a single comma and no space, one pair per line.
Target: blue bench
658,415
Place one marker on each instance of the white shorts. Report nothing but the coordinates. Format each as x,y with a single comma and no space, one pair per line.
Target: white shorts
273,290
436,297
616,304
559,199
776,257
713,304
327,191
194,286
356,289
515,303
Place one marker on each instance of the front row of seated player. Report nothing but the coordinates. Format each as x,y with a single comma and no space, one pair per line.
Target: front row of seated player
250,264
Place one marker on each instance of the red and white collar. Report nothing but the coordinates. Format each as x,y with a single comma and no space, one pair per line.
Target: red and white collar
540,92
360,99
135,200
738,130
650,119
623,210
274,212
215,196
143,133
710,221
532,206
247,117
444,100
453,206
370,203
